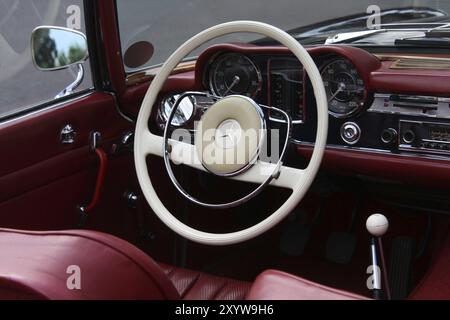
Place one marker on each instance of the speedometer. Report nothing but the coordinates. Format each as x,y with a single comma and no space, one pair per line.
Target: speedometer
234,73
345,88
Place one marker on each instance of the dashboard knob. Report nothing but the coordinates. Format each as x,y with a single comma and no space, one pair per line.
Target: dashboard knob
389,136
409,137
350,133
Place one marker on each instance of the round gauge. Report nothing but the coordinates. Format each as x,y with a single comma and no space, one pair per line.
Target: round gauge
345,88
184,112
234,73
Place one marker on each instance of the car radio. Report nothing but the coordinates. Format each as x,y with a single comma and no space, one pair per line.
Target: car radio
428,137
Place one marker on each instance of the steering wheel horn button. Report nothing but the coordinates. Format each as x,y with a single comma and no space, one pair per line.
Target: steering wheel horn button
229,136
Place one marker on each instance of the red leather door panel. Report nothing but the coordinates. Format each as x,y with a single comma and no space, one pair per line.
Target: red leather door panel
41,180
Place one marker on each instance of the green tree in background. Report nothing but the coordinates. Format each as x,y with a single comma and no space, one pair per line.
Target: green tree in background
75,54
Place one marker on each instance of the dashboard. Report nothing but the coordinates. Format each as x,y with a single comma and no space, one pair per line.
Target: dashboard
378,104
280,81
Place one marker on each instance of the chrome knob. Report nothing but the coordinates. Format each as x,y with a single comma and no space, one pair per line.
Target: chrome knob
350,133
131,199
389,136
409,137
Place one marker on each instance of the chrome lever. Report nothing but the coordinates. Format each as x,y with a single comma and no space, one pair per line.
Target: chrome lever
126,144
96,140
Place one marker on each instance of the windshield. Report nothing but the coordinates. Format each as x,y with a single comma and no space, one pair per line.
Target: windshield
151,30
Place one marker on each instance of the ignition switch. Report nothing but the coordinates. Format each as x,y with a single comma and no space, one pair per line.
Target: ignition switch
350,133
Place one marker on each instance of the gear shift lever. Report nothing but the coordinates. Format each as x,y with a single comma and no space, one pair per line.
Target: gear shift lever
377,225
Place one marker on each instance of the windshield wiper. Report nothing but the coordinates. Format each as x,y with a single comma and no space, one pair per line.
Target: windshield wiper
438,37
440,32
351,36
425,41
413,26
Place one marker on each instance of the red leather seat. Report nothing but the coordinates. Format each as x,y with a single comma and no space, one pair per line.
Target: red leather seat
194,285
34,265
277,285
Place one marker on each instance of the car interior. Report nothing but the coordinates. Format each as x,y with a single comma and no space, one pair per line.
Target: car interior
306,164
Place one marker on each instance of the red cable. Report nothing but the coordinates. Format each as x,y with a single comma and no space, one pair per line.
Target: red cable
100,179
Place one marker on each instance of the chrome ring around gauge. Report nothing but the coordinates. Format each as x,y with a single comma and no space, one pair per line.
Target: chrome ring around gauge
183,113
234,74
344,87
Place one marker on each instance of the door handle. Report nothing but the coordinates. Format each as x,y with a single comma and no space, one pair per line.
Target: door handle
86,210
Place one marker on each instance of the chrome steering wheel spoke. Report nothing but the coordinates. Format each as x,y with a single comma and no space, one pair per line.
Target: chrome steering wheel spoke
258,172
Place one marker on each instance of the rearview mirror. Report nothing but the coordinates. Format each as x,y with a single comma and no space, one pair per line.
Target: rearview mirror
55,48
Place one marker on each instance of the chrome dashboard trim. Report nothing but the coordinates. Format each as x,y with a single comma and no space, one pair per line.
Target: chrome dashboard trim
374,151
380,99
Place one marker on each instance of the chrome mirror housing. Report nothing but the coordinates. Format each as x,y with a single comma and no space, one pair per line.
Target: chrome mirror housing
56,48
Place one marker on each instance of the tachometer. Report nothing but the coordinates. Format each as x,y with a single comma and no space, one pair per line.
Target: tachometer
345,88
234,73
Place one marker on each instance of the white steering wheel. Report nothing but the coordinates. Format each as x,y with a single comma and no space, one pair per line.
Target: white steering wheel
242,111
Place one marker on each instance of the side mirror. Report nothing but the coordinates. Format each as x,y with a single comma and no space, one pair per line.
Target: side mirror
55,48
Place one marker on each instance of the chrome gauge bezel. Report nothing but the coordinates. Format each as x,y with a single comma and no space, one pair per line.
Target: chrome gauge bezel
214,64
360,106
164,117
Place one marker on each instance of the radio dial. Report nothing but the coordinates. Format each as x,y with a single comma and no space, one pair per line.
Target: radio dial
425,137
389,136
409,136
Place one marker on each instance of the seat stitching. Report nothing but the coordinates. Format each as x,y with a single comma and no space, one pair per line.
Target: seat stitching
189,287
225,284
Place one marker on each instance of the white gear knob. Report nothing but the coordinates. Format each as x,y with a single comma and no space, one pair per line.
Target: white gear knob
377,225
